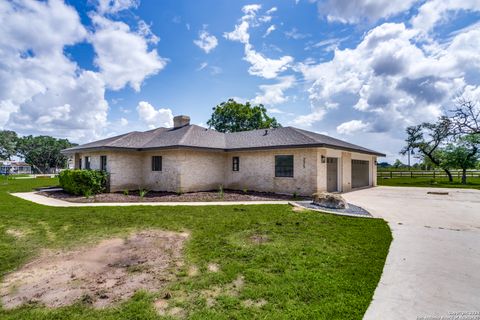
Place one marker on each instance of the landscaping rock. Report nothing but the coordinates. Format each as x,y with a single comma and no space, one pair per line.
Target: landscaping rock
329,200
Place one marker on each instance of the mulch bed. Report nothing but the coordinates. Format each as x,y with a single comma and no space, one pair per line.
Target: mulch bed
159,196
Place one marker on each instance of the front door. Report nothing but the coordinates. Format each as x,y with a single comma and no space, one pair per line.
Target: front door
332,174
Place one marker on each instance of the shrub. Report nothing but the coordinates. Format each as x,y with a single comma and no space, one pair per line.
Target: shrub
83,182
142,193
126,192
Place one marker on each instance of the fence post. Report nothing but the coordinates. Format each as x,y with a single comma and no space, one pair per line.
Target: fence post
411,174
433,174
391,174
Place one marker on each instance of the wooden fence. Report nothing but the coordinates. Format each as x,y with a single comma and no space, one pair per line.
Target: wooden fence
425,174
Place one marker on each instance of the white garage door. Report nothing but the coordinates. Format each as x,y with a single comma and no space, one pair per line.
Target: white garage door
360,173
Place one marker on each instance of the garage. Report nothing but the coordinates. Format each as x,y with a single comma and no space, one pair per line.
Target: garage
360,173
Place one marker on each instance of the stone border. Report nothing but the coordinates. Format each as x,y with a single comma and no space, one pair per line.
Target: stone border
46,201
307,205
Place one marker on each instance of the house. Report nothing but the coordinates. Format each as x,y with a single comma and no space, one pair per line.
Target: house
189,158
15,167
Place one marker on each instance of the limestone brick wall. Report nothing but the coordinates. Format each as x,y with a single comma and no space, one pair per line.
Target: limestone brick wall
257,171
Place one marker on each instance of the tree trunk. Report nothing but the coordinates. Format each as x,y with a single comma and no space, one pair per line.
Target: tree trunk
464,176
449,174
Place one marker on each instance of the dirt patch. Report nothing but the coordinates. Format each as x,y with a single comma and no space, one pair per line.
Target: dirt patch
259,238
15,233
254,303
107,273
157,196
213,267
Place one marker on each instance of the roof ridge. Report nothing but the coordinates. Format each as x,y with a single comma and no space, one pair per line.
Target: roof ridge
300,131
185,134
122,137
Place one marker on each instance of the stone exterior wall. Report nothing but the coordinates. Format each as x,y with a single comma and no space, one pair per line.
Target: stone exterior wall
257,171
186,170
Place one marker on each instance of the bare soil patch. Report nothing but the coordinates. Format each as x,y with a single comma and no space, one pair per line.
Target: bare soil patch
259,238
104,274
158,196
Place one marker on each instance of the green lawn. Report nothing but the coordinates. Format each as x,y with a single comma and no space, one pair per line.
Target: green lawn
472,183
317,266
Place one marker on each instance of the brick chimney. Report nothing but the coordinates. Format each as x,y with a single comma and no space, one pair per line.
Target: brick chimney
181,121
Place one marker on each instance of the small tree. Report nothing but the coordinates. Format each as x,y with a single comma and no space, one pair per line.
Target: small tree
398,164
43,152
8,144
463,155
427,139
232,116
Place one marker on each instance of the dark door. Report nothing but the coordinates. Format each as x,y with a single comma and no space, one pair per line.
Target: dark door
332,174
360,173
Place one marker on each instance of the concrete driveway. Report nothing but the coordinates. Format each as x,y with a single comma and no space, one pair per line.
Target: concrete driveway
433,267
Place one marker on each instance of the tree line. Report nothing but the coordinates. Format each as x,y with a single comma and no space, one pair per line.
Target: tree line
452,142
41,152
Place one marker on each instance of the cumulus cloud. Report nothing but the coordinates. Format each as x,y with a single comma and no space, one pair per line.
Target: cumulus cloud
154,118
351,127
115,6
353,11
308,120
206,41
273,94
123,56
41,90
392,80
434,12
260,65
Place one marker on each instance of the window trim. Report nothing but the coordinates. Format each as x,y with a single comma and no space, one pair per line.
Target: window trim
280,171
157,166
235,163
88,163
103,167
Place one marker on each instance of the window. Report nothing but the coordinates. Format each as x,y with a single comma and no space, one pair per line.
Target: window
156,163
87,163
235,164
103,163
80,164
284,166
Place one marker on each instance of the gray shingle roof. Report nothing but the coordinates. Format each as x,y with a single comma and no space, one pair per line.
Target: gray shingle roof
194,136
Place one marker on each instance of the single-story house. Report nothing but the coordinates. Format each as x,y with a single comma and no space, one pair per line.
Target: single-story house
189,158
15,167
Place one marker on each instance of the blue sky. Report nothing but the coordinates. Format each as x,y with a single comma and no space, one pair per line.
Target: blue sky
358,70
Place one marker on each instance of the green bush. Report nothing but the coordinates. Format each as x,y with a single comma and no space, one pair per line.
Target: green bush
83,182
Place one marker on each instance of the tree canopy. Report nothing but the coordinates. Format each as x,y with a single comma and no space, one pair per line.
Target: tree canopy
8,144
232,116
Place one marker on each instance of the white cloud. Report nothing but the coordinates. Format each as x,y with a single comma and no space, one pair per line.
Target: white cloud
392,80
437,11
206,41
272,10
351,127
145,32
269,30
260,65
115,6
122,55
202,66
273,94
41,90
123,122
296,35
154,118
309,119
353,11
275,110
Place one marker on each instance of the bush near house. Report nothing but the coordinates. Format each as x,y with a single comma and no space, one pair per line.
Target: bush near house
83,182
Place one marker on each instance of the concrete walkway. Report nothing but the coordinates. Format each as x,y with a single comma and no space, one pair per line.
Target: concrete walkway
433,265
37,198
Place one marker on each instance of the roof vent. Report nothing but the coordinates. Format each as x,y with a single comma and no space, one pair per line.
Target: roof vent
181,121
266,132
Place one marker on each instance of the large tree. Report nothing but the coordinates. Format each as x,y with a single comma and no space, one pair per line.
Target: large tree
43,152
462,155
427,139
465,116
8,144
232,116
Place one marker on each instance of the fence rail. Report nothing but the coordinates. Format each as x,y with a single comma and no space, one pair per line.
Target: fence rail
426,174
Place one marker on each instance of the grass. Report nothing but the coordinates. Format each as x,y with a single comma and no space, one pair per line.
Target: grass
315,266
472,183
